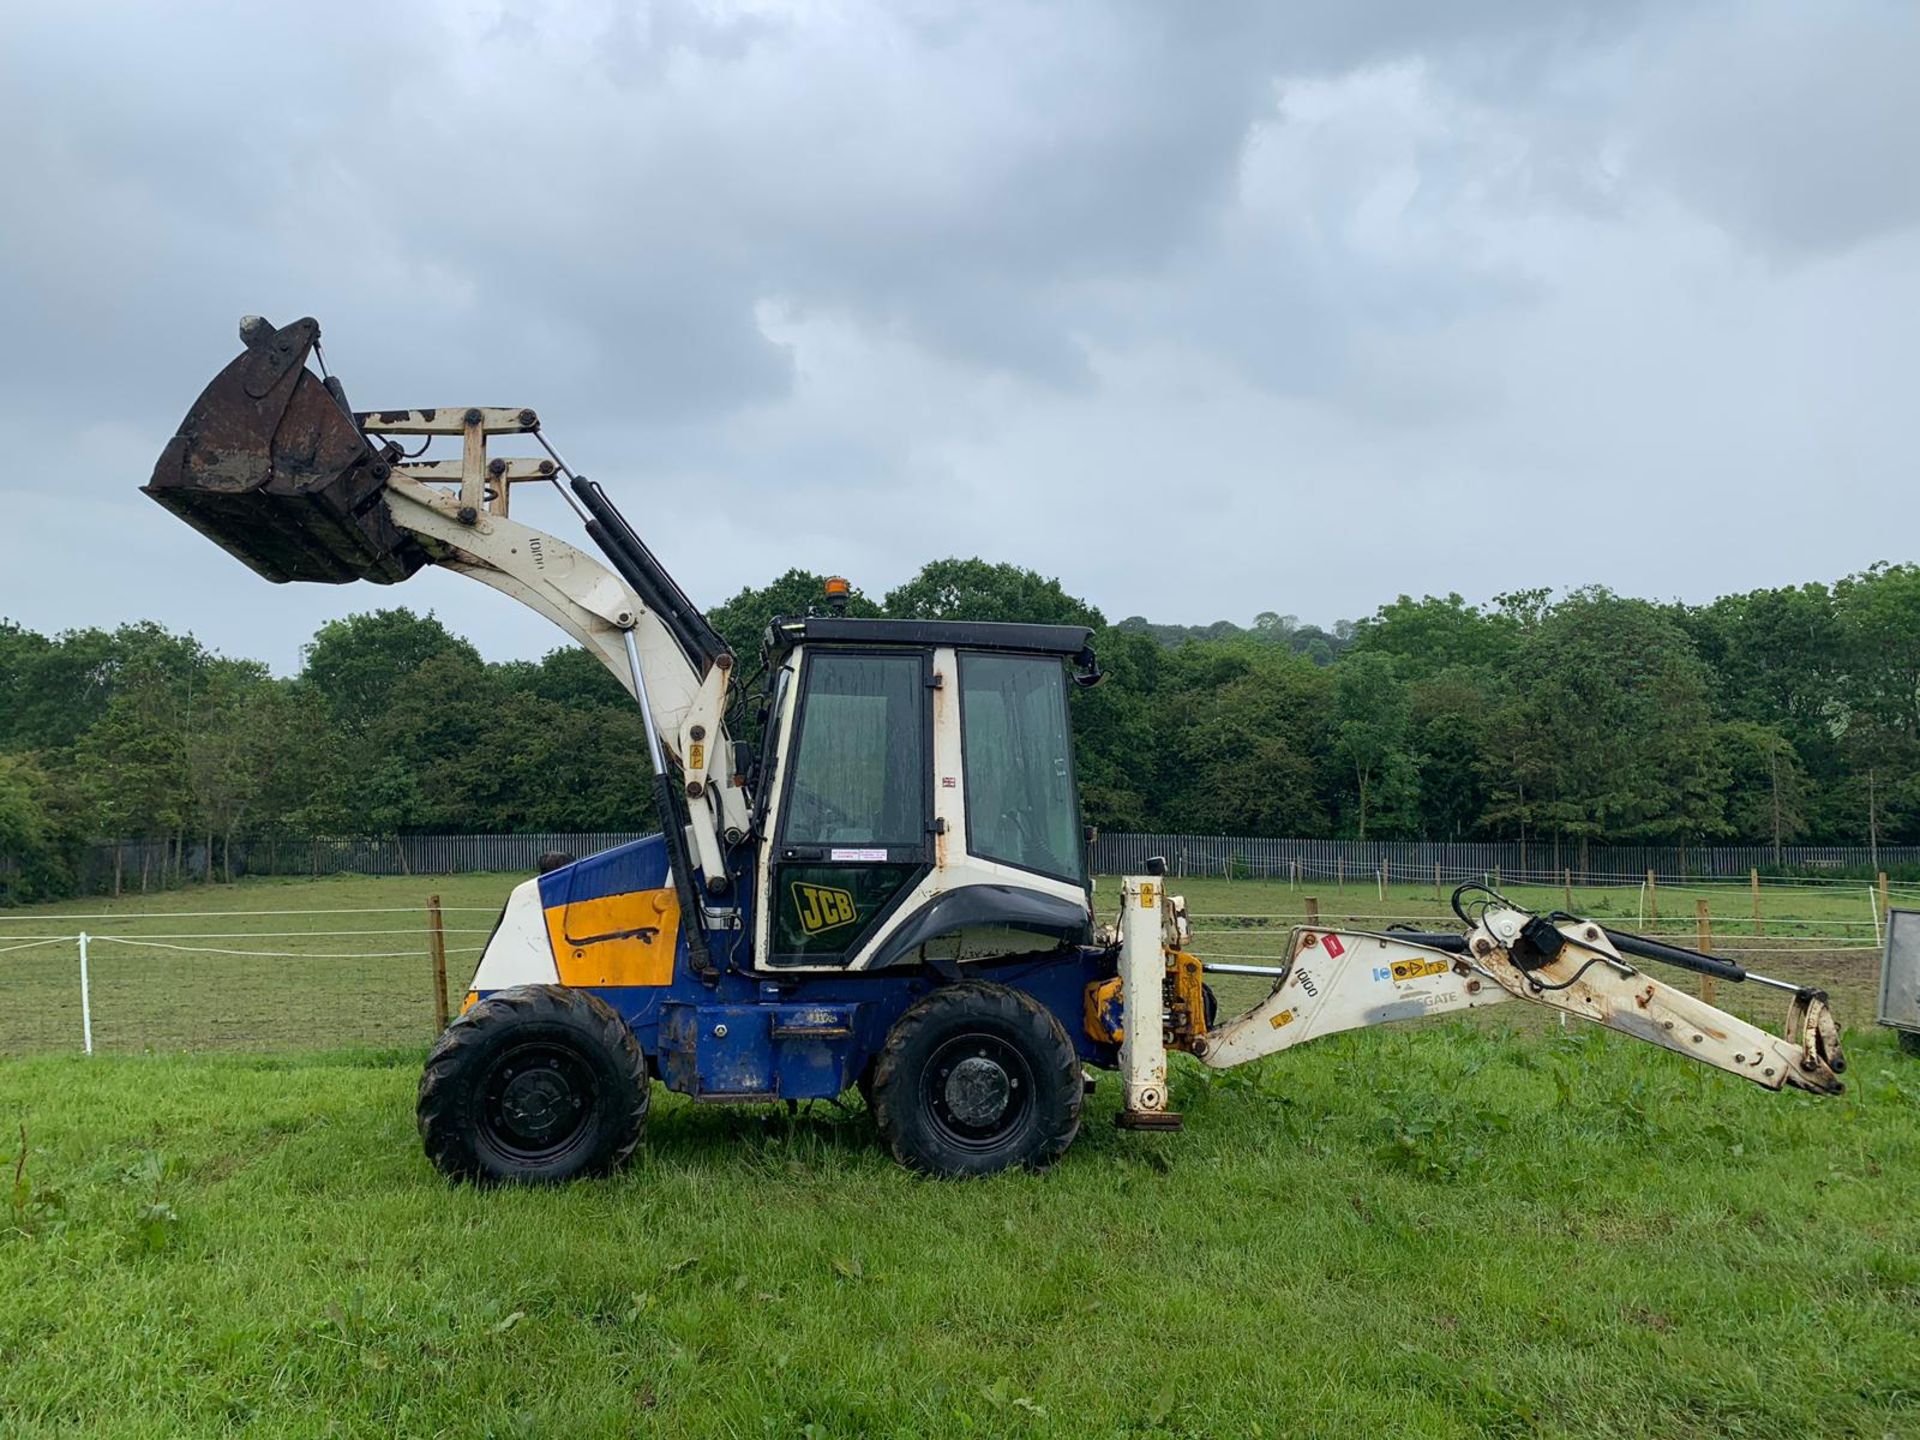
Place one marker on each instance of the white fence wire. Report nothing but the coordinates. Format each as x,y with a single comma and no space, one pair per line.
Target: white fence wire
129,989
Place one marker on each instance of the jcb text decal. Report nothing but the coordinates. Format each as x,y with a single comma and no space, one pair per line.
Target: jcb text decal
820,908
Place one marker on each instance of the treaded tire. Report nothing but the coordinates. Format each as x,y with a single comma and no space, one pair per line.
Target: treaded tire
1909,1042
998,1032
534,1085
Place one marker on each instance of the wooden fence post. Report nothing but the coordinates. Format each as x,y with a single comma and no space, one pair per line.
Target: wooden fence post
1704,944
1313,911
1436,881
1883,895
437,950
1753,877
1566,889
1340,872
1653,898
1383,883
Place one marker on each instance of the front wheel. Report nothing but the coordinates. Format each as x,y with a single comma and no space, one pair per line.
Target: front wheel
974,1079
534,1085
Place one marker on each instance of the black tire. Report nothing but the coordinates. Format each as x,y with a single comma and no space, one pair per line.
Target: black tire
1910,1042
534,1085
1017,1102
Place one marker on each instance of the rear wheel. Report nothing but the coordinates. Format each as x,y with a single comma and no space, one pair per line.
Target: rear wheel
533,1085
974,1079
1910,1041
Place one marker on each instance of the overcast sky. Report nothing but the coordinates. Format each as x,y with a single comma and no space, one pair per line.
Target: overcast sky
1207,309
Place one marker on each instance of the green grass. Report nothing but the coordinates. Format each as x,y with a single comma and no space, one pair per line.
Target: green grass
1464,1227
1447,1231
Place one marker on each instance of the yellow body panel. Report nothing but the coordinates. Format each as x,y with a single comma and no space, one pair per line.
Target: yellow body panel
617,939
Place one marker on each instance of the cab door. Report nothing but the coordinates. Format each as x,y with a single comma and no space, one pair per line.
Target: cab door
853,834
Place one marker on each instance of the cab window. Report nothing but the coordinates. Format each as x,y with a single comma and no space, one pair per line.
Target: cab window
1021,806
859,770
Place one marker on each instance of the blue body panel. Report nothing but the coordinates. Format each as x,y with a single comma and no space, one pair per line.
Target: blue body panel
742,1036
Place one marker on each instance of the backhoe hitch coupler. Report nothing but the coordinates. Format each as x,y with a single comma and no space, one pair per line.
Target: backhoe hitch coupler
270,465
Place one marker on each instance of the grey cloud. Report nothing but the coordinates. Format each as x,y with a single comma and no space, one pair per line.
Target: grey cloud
858,286
1791,124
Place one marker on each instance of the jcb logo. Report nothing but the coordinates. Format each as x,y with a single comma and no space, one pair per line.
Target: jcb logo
822,907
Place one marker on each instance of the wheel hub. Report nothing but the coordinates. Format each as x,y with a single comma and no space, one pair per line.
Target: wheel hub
977,1091
537,1103
536,1100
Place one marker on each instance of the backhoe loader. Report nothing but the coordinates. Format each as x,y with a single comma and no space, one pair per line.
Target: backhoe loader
887,892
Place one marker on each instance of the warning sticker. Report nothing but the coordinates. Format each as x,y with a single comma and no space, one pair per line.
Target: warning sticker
857,855
1334,947
1416,969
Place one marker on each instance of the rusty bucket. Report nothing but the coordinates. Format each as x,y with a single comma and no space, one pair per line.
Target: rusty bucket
271,466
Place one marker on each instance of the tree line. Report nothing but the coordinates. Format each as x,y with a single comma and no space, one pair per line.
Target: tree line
1770,717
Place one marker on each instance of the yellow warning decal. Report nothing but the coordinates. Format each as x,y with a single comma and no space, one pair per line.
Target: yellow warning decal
1416,969
1149,896
697,757
1285,1017
820,908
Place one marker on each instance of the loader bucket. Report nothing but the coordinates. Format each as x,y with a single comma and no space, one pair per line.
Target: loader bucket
270,466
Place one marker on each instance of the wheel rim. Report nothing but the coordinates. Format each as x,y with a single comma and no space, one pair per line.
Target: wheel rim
978,1089
536,1101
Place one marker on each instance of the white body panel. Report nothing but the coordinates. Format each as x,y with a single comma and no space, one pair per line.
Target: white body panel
519,953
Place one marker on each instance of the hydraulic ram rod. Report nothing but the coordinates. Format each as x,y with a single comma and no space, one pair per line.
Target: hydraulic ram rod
1628,943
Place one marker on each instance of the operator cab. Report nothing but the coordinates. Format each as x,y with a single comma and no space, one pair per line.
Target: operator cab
918,793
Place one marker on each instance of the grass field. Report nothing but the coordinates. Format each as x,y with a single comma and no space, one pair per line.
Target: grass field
1444,1232
166,980
1454,1229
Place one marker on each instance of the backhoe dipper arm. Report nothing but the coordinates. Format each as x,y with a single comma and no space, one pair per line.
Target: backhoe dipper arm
1341,980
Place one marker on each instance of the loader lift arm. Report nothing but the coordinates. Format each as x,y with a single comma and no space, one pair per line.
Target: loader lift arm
1333,980
274,466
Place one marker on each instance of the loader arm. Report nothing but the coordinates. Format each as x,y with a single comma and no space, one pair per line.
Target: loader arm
273,465
1333,980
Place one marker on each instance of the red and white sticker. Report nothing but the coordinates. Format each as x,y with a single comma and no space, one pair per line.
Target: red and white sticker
1334,947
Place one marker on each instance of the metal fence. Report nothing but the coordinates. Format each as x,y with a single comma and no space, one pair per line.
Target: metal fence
1260,858
132,866
135,865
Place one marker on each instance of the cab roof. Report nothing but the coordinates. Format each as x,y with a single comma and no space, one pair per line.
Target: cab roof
1069,642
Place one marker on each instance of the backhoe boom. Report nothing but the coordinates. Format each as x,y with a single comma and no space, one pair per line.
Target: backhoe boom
1333,980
